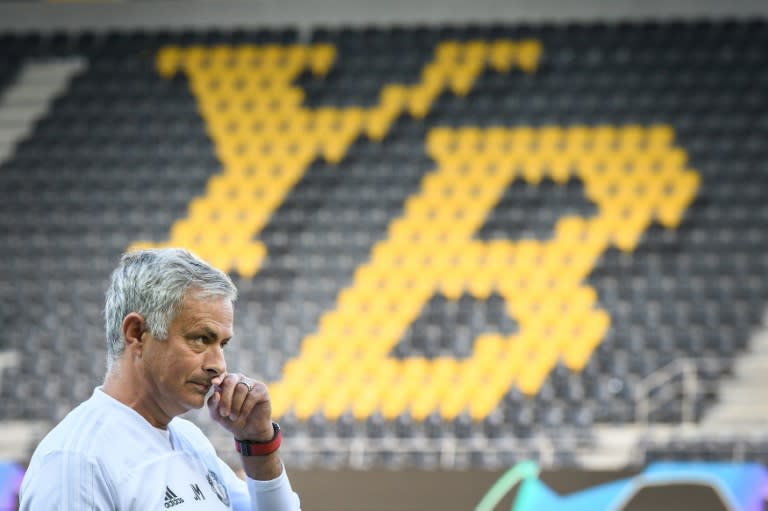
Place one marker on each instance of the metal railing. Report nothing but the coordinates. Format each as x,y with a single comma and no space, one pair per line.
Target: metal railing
445,453
658,388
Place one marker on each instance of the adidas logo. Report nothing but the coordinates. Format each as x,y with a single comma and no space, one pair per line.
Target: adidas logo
171,499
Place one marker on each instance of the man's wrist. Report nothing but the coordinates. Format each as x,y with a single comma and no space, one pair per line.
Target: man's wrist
261,448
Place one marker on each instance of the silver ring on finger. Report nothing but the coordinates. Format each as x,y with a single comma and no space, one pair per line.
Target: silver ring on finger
245,382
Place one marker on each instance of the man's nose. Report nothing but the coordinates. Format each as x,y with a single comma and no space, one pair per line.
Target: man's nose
215,363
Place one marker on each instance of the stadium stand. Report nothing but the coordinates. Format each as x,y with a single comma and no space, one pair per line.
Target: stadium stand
486,235
728,446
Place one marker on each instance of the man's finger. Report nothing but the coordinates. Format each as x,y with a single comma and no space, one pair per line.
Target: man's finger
218,379
213,401
240,396
227,389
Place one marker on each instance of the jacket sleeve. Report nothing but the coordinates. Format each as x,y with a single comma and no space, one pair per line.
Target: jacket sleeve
251,495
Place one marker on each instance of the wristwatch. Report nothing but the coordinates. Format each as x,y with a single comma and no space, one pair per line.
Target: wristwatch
253,448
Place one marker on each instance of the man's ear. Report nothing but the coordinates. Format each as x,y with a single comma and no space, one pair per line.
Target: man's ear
134,328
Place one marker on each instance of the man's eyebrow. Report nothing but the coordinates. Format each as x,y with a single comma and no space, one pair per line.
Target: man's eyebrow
207,332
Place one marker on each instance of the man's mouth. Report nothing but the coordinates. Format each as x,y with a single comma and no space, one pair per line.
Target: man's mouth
203,387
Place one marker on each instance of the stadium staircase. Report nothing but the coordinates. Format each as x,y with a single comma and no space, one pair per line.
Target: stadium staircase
740,407
27,98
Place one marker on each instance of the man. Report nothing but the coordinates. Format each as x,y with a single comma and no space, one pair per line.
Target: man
168,317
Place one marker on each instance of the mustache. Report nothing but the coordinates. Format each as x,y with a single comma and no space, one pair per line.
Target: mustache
207,382
210,386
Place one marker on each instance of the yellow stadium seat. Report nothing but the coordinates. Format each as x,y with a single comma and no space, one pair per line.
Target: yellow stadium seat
627,225
469,140
194,58
434,76
440,143
476,50
420,99
423,403
502,53
335,148
168,61
489,346
308,404
494,387
587,333
497,142
570,229
365,403
463,78
670,213
294,59
548,139
533,169
448,52
337,402
482,406
280,399
393,98
378,121
560,167
575,140
659,137
481,283
528,55
454,403
394,401
249,258
604,139
533,374
631,138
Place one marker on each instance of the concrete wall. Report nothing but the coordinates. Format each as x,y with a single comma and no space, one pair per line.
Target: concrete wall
307,13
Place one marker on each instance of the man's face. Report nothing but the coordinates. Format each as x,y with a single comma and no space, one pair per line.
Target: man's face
178,370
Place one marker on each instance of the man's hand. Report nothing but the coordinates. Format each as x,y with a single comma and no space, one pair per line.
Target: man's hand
241,405
243,408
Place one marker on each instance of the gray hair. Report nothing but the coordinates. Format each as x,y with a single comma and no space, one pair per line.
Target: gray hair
153,283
